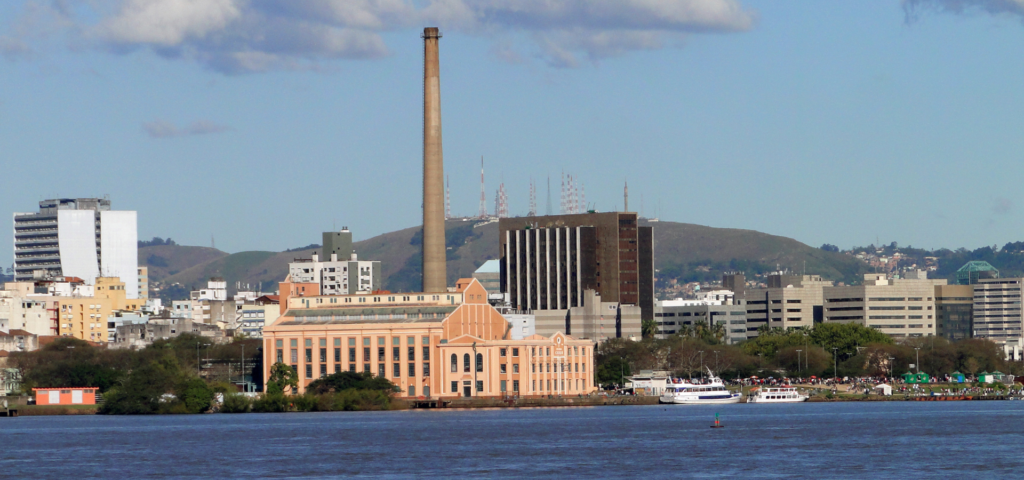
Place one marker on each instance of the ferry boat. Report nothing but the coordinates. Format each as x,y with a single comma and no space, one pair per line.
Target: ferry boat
776,395
683,392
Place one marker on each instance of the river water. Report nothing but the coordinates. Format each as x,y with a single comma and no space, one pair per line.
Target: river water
818,440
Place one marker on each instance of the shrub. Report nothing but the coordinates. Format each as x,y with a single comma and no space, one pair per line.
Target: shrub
305,402
236,403
270,402
195,394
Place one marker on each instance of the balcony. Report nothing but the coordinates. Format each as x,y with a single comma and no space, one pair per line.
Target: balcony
35,232
35,258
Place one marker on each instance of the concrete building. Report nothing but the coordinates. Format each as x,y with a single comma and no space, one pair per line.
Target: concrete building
674,316
900,307
256,316
337,243
489,276
18,341
550,263
81,238
737,284
20,312
144,282
954,311
789,302
347,276
521,326
142,335
65,306
997,313
429,344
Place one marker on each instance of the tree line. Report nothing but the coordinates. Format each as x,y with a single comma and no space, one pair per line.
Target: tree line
826,350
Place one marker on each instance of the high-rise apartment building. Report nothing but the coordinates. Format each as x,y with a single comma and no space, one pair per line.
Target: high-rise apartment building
348,276
79,237
997,313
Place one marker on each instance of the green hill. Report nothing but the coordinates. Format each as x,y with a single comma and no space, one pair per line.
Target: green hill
689,253
683,252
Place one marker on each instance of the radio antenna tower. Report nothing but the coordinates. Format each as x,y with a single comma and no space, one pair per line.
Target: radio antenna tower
448,198
548,210
533,199
501,202
483,197
563,207
584,208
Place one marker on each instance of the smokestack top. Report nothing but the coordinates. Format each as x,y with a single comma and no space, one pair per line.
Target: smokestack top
431,32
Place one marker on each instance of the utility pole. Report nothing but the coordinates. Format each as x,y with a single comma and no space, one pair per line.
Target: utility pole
917,350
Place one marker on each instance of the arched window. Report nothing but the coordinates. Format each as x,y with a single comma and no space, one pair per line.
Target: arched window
455,363
465,363
479,362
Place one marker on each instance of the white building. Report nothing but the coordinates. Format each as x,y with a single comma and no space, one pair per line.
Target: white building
78,237
337,277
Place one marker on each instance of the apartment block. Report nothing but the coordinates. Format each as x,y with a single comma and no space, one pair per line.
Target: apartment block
80,238
144,282
900,307
337,277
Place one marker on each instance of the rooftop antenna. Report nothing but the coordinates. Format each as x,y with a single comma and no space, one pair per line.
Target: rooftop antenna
625,196
483,196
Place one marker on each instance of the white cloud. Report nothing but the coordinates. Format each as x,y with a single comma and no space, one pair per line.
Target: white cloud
241,36
914,8
164,129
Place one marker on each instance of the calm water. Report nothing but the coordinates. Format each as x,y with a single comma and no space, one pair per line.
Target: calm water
846,440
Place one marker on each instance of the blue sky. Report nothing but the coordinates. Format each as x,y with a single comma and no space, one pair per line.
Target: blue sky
262,123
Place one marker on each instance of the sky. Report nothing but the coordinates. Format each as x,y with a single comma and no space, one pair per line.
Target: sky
258,124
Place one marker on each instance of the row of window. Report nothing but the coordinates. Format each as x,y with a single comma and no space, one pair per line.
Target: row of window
396,354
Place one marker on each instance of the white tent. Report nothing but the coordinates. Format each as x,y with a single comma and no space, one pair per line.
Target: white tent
883,389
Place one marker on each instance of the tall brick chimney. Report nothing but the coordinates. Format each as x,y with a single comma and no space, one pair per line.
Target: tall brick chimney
434,267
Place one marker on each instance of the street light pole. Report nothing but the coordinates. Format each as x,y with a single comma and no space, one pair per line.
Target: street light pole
798,359
917,350
835,365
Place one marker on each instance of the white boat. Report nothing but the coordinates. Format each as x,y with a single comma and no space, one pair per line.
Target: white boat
776,395
683,392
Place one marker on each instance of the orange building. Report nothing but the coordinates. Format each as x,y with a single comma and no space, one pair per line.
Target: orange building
429,344
66,396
